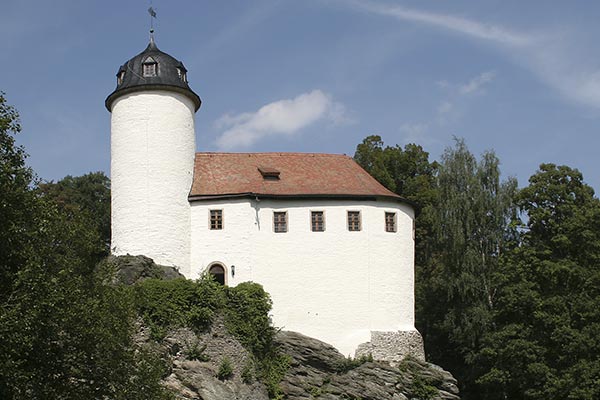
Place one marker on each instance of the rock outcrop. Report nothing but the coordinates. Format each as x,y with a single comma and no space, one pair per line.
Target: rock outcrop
130,269
317,371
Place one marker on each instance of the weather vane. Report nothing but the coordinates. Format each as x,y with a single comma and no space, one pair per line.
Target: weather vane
152,13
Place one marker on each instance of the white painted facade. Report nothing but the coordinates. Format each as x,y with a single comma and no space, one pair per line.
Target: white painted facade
335,285
342,287
152,159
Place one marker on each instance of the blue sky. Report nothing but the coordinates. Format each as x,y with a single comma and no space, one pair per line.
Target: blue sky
519,77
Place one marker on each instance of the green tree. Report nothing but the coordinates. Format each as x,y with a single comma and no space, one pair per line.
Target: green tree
62,334
473,224
87,198
370,155
18,204
547,318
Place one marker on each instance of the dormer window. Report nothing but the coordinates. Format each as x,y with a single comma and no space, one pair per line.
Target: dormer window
120,77
269,174
150,67
182,74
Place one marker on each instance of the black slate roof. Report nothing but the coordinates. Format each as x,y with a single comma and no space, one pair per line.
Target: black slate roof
170,75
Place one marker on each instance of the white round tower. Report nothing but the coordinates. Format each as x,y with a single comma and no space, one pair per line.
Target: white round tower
152,158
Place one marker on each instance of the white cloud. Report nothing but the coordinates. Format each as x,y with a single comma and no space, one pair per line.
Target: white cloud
279,118
475,84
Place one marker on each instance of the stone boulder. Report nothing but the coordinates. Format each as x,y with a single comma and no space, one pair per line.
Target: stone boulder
130,269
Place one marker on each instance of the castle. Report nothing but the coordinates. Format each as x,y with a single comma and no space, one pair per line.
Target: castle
332,246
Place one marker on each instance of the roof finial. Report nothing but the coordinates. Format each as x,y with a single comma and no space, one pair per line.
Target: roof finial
152,13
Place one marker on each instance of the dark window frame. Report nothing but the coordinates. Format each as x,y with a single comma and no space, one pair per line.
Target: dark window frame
280,221
317,221
354,221
149,68
216,220
390,222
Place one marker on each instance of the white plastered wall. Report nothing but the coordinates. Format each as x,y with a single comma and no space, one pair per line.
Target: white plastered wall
336,285
152,159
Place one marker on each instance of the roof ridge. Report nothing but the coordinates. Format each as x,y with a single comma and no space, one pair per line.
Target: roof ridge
271,153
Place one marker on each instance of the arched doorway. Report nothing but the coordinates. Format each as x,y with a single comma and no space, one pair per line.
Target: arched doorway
218,272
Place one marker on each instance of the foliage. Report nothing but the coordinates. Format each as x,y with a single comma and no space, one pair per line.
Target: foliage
62,334
85,198
273,367
225,369
195,351
371,155
511,308
421,389
165,305
248,373
247,317
474,225
145,381
18,204
548,315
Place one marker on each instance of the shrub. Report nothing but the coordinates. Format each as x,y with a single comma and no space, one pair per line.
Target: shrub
421,389
247,317
225,369
248,374
176,303
195,351
273,368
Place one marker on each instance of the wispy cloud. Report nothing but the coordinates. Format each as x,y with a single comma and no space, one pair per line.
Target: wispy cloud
450,22
452,108
549,55
279,118
458,96
239,27
475,84
414,133
445,107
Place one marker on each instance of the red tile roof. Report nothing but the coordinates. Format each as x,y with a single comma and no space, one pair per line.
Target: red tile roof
300,175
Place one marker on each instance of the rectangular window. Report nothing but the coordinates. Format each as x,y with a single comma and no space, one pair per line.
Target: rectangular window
317,221
354,221
216,219
390,222
280,221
